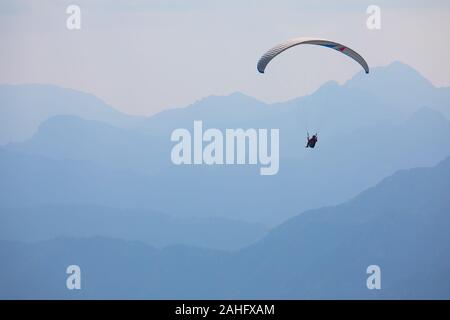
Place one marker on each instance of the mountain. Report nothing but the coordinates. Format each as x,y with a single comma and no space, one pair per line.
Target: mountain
388,95
34,180
70,137
24,107
400,85
364,136
401,225
42,198
112,167
319,178
218,111
39,223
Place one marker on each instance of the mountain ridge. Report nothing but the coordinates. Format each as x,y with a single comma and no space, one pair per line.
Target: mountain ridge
20,126
319,254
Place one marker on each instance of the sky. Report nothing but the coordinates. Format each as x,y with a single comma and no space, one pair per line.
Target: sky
142,57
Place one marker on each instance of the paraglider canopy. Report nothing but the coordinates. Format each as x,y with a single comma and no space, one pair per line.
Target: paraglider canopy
272,53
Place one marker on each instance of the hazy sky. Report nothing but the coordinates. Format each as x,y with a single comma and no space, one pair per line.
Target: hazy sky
145,56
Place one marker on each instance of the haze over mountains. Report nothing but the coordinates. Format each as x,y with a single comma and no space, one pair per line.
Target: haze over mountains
30,224
79,168
25,107
388,92
368,129
401,224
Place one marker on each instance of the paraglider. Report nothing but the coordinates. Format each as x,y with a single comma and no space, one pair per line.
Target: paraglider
275,51
311,142
272,53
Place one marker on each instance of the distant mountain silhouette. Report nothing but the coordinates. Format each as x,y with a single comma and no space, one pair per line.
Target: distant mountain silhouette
389,92
39,223
33,180
401,225
24,107
389,95
107,166
402,86
96,159
69,137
